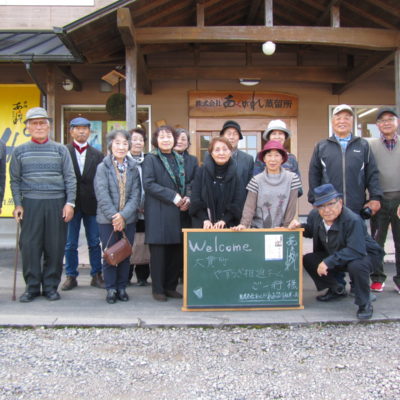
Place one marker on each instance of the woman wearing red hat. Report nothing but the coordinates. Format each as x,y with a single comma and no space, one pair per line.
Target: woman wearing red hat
272,194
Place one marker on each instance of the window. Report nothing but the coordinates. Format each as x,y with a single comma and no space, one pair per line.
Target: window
102,122
364,120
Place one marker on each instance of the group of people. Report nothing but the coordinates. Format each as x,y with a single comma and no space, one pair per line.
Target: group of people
130,193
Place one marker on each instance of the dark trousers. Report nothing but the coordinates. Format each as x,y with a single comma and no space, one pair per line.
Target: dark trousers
166,262
43,234
115,277
380,222
359,271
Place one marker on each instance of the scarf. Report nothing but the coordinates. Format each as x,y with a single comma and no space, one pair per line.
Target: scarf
120,172
179,180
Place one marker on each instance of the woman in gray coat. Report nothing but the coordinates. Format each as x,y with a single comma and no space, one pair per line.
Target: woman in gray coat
117,188
166,200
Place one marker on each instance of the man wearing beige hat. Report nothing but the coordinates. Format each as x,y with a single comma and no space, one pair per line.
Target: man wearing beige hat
43,186
346,161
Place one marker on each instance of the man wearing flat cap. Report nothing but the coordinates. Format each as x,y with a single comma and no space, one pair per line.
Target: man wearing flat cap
346,161
85,160
43,186
340,243
244,162
386,150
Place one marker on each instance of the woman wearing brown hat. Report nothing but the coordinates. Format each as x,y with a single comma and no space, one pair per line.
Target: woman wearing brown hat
272,194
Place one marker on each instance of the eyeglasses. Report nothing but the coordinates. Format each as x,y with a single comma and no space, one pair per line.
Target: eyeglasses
327,206
386,120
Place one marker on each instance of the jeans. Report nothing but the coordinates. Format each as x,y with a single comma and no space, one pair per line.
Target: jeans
93,240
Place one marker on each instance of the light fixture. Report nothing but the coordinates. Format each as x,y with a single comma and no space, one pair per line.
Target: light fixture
268,48
67,84
113,77
249,81
367,112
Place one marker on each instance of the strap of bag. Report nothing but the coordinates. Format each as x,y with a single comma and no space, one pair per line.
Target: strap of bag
123,235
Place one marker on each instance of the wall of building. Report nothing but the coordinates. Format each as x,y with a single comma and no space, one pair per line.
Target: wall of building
45,17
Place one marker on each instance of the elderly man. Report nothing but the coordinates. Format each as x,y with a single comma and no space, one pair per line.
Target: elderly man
346,161
340,243
244,162
3,154
85,160
386,150
43,186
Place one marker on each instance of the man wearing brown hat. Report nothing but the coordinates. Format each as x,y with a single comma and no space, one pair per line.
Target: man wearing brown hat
386,150
43,186
244,162
340,243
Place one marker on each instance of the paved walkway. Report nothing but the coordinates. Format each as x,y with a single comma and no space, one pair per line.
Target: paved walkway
86,306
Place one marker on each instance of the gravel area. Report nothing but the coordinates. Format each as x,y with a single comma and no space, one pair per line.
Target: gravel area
358,361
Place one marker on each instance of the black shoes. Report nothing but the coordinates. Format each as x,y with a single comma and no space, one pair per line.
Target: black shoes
27,297
53,295
111,296
159,297
333,294
173,294
122,295
365,311
142,282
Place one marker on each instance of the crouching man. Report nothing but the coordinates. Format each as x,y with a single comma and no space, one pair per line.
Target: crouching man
340,243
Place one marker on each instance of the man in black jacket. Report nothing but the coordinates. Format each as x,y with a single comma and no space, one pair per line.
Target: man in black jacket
85,159
346,161
340,243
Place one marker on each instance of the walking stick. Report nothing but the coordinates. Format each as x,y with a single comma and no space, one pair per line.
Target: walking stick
16,263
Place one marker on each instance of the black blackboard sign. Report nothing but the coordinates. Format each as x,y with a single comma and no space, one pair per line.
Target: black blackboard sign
250,269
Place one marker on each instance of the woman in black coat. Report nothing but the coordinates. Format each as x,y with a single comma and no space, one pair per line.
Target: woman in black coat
165,187
216,191
191,166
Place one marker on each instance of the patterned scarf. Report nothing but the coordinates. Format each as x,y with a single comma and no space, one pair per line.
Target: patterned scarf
120,171
180,183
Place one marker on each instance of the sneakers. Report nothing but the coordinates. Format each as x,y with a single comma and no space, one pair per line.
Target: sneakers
70,283
365,311
377,286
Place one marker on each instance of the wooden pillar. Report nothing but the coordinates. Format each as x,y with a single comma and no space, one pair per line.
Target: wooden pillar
131,86
269,13
335,17
51,96
397,78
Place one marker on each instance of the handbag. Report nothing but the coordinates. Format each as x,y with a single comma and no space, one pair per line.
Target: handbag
140,250
118,252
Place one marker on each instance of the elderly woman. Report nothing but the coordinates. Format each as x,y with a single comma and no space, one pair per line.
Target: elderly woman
164,184
278,131
191,166
216,192
272,194
138,137
117,188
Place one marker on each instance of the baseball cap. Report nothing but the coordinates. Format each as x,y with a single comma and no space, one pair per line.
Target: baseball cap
384,110
342,107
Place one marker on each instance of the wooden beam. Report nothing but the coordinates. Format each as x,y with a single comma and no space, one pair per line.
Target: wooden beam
367,38
127,31
275,73
51,95
269,13
335,17
200,13
131,86
362,72
327,11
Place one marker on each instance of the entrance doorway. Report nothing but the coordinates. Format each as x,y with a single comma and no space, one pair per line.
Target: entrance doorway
203,129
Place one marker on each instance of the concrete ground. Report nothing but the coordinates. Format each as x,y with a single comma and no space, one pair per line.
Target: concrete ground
86,306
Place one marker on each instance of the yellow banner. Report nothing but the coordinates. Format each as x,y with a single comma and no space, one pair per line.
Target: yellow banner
15,100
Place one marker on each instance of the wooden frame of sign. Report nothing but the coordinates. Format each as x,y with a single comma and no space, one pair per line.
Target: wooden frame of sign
253,269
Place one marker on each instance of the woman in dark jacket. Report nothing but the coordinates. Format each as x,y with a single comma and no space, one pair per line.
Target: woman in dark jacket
117,188
216,192
164,184
191,166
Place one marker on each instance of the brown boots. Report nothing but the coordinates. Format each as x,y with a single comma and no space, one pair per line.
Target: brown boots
71,282
97,281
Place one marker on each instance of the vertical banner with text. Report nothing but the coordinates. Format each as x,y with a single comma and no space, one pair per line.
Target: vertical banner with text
15,100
